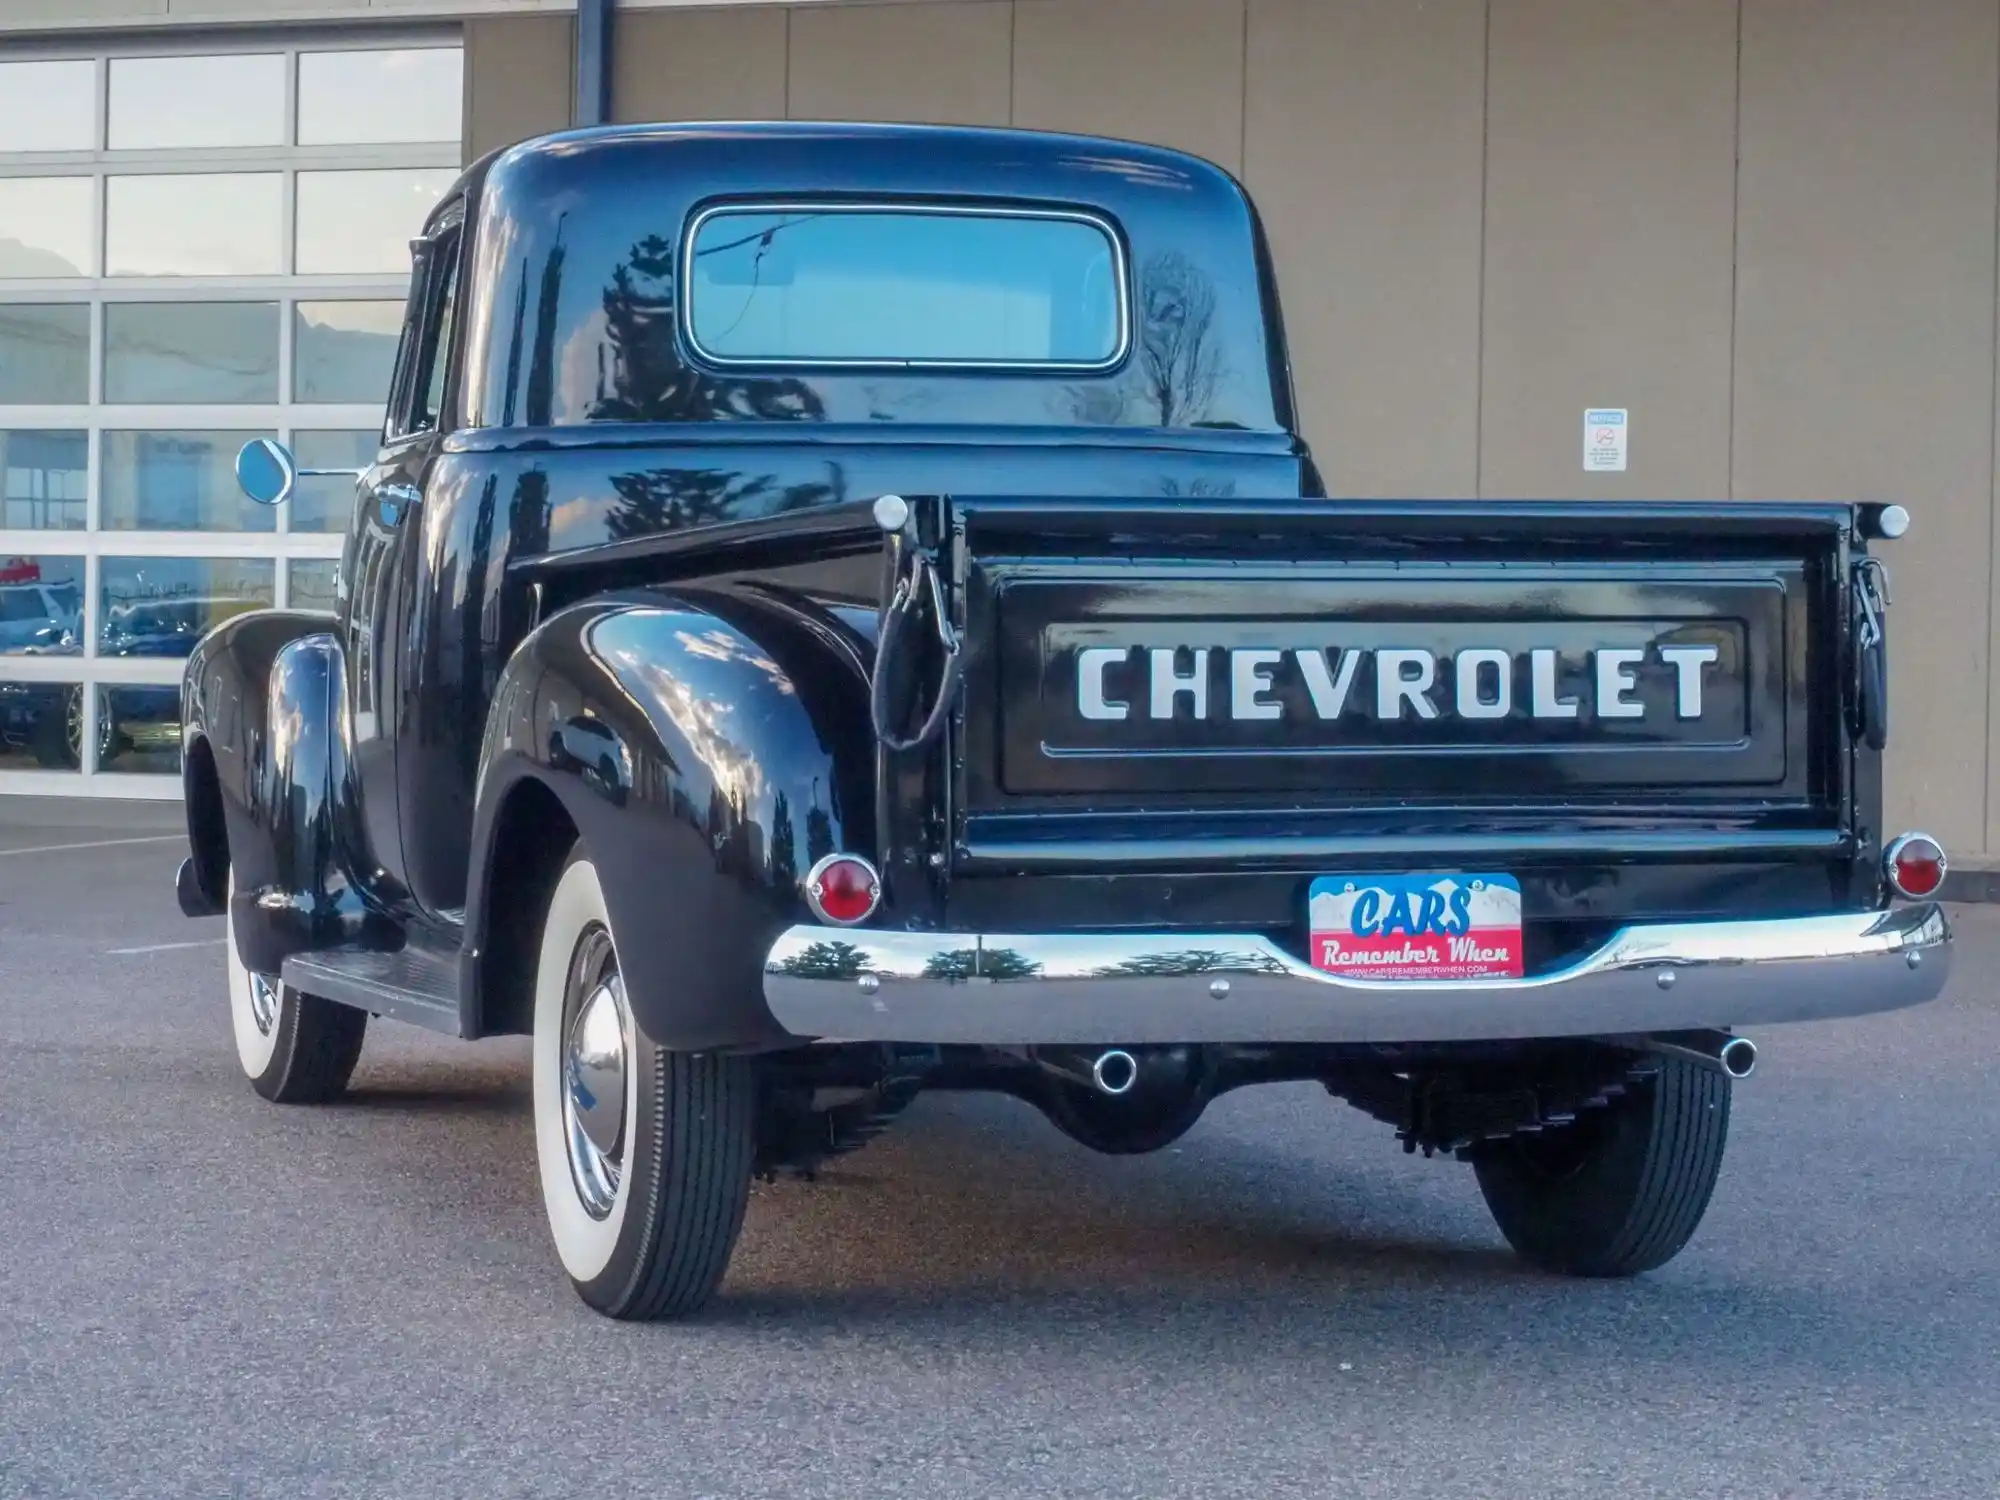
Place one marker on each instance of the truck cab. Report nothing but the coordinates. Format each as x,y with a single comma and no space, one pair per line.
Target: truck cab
841,610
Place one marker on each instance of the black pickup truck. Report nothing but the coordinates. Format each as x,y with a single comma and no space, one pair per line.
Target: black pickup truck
846,610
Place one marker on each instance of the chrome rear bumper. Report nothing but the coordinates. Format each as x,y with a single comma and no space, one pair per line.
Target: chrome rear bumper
856,984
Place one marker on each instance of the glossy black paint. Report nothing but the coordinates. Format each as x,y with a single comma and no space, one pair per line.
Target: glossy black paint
499,522
262,697
188,893
1750,734
603,588
573,315
380,574
1226,823
705,747
1308,576
382,571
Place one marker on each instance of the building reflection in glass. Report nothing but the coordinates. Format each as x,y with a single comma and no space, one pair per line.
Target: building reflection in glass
41,726
41,606
160,606
178,481
44,477
139,730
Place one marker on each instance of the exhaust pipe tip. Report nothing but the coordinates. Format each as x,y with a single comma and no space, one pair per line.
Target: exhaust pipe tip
1731,1056
1738,1057
1114,1072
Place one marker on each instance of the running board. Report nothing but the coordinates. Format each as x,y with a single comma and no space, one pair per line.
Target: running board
412,985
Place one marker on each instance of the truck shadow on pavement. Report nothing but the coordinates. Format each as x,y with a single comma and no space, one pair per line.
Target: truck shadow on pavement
1281,1222
968,1191
970,1198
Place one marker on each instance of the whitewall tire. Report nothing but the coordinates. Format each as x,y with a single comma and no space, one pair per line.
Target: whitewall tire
644,1155
295,1048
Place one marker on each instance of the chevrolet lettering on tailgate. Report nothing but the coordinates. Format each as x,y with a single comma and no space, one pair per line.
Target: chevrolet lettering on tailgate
1477,682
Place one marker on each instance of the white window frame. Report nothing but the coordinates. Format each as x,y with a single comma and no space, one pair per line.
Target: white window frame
285,417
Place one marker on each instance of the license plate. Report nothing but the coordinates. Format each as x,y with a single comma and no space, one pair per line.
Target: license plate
1416,926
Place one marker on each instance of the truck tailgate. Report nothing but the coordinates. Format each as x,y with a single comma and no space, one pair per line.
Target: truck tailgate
1192,681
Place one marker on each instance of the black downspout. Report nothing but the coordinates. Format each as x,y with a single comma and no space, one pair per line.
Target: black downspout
593,62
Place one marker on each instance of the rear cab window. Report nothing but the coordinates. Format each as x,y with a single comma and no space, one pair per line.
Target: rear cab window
902,285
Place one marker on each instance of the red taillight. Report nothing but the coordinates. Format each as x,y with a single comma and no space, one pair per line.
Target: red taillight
843,889
1915,865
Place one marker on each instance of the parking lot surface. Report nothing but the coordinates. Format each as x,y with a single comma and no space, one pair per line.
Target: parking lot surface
202,1294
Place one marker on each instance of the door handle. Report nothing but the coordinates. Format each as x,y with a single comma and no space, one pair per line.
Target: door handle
394,498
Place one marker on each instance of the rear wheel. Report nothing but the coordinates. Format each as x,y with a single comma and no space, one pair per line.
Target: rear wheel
295,1048
1620,1191
645,1154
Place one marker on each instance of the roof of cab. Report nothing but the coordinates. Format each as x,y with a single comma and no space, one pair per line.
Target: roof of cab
573,237
841,149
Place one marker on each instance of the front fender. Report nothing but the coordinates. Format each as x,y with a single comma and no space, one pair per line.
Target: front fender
262,695
708,748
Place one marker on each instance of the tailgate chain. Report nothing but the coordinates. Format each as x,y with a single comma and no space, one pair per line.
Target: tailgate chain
1871,687
905,604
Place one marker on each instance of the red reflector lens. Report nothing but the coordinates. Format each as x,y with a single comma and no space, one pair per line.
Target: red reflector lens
1916,865
1918,876
843,889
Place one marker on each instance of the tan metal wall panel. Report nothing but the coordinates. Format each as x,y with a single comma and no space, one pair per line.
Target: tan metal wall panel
1166,71
942,63
1865,328
1364,134
520,73
698,65
1610,192
1474,245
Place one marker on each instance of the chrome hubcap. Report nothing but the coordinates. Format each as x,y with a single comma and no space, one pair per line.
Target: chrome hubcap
264,997
595,1057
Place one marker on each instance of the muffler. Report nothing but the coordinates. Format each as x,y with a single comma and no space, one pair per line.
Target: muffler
1123,1100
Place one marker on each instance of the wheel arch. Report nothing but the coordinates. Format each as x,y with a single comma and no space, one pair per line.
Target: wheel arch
264,776
530,840
706,756
208,827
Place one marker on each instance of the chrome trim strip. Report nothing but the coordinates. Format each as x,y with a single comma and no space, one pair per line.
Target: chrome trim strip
1129,988
1122,276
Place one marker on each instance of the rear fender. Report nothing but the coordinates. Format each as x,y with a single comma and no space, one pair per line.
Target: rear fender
707,747
261,706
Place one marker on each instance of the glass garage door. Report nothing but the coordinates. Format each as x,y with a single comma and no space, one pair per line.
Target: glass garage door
195,249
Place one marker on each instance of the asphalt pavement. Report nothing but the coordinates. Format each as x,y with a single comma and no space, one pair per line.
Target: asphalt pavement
204,1295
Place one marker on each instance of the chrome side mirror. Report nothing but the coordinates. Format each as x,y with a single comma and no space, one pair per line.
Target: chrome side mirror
267,471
